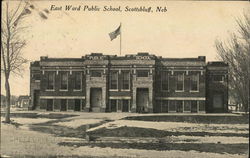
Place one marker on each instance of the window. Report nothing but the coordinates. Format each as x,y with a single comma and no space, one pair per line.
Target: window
113,80
96,73
187,105
125,105
113,104
77,105
179,105
180,82
63,104
36,76
202,106
64,80
125,80
218,78
172,107
194,82
51,80
194,106
142,73
164,80
77,80
164,106
50,104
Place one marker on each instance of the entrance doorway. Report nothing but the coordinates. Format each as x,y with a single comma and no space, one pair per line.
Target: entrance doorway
142,99
95,99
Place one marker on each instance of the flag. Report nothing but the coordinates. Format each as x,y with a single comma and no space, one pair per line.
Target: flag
115,33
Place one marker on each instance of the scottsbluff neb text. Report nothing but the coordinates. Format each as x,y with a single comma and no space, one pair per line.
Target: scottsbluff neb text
95,8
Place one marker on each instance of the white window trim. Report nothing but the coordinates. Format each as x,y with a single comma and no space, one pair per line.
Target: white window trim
78,90
182,86
198,83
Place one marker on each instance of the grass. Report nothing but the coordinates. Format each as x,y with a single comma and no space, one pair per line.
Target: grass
62,131
207,119
161,146
149,132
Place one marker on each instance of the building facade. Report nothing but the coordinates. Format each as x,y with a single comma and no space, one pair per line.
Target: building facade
132,83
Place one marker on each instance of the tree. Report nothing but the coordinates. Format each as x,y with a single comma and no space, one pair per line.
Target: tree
236,52
12,42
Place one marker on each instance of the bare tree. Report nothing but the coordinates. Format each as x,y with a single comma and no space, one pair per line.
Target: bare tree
236,52
12,42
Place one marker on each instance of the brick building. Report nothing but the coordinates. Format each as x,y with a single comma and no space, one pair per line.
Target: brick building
130,83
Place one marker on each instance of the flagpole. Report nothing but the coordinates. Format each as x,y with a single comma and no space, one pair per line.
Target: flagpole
120,38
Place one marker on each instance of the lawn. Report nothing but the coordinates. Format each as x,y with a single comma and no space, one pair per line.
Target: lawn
124,135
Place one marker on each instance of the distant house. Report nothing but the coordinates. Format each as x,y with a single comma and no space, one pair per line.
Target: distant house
23,101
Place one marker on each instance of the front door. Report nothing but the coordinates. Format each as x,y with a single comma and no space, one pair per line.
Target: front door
142,99
95,99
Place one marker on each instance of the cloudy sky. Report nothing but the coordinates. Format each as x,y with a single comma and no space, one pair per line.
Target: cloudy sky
187,29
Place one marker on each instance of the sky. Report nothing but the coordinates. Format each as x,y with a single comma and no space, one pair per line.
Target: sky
186,29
